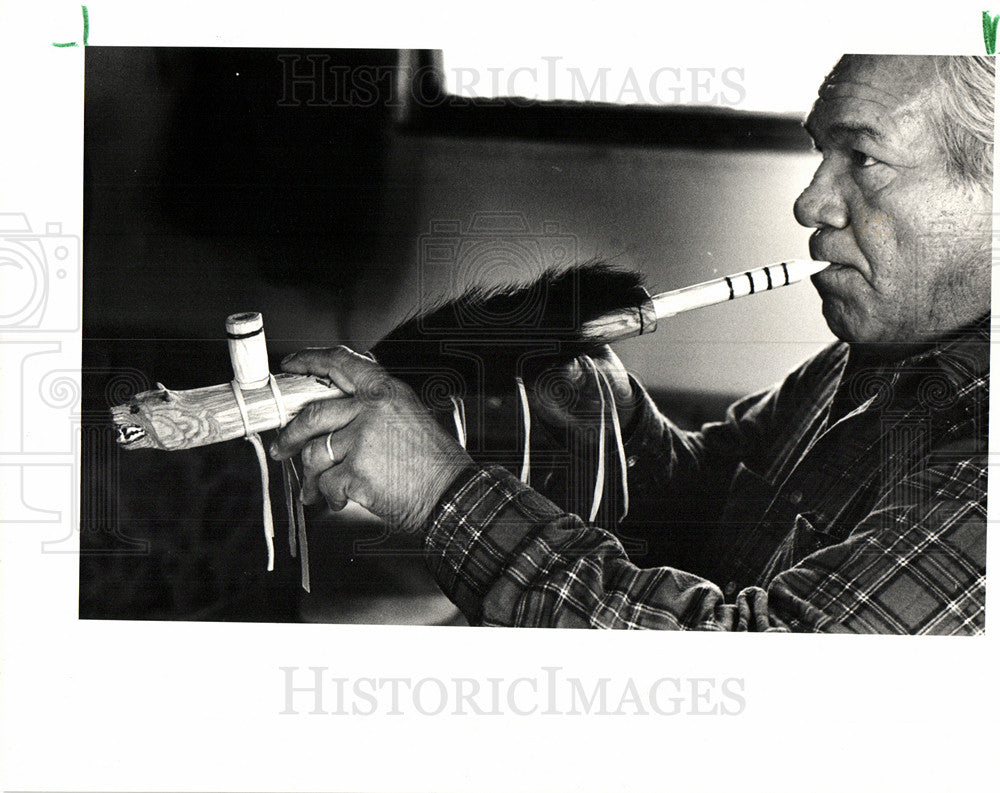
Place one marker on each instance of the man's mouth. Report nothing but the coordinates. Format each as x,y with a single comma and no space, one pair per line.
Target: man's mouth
837,276
824,247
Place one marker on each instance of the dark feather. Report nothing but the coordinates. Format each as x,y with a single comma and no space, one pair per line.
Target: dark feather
486,337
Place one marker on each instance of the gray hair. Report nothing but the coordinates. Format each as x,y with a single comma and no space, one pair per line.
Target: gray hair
965,116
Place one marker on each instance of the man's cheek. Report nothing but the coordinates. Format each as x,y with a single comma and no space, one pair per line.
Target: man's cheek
875,235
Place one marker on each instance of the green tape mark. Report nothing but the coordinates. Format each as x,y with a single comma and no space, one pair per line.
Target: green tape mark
990,31
86,31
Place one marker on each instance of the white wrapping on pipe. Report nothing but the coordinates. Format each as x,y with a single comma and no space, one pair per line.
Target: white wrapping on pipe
248,349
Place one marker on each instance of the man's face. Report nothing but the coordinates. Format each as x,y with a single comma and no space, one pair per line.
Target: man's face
909,241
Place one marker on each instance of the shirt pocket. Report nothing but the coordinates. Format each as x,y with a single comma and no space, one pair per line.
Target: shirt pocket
803,538
809,535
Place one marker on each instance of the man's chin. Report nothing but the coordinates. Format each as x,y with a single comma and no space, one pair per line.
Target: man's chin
840,330
836,285
845,327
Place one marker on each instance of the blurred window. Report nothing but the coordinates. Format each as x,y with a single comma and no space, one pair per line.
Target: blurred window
760,83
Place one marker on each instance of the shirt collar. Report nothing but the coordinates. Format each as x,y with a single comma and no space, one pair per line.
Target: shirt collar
962,356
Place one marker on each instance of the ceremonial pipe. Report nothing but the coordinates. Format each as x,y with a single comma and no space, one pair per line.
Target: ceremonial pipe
164,419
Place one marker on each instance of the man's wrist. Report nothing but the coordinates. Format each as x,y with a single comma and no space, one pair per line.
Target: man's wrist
457,482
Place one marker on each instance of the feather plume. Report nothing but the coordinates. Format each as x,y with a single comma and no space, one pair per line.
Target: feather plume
482,340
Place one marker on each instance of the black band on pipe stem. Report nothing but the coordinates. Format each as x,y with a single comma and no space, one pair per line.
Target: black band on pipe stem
238,336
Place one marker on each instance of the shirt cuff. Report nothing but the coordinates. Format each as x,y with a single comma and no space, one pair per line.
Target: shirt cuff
478,528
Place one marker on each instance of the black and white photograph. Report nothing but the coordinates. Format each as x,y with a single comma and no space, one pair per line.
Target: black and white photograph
451,438
330,361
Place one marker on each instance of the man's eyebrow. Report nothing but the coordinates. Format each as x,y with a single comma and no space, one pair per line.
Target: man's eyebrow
843,129
857,129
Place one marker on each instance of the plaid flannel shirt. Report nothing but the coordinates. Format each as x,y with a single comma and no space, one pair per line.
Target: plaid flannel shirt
854,500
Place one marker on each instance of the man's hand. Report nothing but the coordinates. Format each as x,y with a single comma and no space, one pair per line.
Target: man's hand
570,397
378,447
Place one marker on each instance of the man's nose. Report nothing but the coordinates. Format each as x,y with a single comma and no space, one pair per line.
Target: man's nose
821,204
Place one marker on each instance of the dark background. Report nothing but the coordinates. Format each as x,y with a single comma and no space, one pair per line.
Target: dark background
213,185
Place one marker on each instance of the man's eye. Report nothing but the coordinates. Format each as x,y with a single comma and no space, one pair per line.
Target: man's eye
862,160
